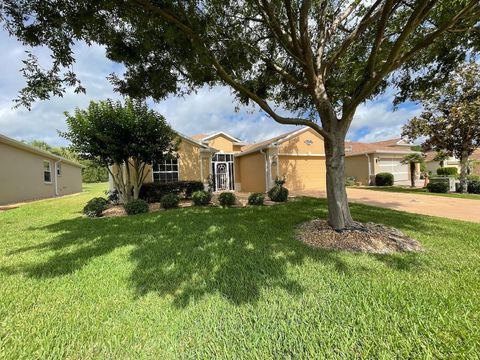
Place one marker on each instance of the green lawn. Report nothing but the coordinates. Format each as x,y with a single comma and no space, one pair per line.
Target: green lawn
230,283
421,191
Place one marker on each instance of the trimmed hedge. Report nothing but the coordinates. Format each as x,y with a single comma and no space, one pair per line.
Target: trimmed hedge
438,187
447,171
384,179
473,187
153,192
227,199
201,197
170,201
278,193
137,206
95,207
256,199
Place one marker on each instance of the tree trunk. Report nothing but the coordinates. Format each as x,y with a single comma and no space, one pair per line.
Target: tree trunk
463,173
339,216
412,174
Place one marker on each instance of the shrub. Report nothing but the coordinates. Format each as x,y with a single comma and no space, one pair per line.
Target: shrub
256,199
350,181
438,187
447,171
474,187
278,193
384,179
113,196
473,177
137,206
153,192
95,207
201,197
227,199
170,201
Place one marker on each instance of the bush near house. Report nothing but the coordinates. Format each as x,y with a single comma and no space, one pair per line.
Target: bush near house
153,192
384,179
447,171
278,193
227,199
95,207
201,197
137,206
256,199
350,180
170,201
438,187
473,187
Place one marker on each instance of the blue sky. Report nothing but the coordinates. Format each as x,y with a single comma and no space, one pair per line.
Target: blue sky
207,111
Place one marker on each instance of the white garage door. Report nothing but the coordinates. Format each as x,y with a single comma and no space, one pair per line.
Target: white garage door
394,166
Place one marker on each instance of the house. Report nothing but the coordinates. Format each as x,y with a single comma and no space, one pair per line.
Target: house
364,160
452,161
232,165
28,173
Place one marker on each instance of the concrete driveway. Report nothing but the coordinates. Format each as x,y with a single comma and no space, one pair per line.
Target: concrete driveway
447,207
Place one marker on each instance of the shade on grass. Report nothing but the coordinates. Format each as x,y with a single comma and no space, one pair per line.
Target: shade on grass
420,191
230,283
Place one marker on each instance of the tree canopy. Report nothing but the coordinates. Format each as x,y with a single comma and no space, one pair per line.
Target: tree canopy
128,137
317,59
450,122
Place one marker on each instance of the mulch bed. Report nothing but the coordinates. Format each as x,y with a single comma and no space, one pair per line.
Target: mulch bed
368,238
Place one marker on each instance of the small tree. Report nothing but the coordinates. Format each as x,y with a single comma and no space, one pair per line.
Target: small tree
451,119
129,137
413,159
441,156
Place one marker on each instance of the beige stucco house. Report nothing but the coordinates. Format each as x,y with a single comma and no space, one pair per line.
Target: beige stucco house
452,161
364,160
28,173
297,156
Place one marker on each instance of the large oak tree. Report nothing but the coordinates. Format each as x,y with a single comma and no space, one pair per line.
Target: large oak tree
319,59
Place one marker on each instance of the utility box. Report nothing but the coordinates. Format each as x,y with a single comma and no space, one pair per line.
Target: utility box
450,180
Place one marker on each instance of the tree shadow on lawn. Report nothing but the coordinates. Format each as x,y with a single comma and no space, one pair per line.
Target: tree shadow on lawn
188,253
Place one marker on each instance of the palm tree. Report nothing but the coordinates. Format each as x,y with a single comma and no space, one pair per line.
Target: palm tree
413,159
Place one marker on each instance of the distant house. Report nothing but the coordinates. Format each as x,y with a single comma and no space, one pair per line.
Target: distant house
432,165
297,156
364,160
28,173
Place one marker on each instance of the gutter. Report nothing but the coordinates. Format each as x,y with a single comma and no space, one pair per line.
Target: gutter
56,175
262,151
369,169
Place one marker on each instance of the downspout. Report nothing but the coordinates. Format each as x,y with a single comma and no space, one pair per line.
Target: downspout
369,170
56,176
266,169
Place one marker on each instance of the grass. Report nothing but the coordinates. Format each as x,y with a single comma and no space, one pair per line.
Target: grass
230,283
420,191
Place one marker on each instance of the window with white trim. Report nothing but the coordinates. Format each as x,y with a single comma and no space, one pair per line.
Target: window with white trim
47,171
165,171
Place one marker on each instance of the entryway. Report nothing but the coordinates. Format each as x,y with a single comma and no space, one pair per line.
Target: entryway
222,170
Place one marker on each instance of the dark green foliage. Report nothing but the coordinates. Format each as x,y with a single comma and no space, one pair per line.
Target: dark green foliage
153,192
447,171
201,197
227,199
169,201
278,193
473,187
384,179
136,206
95,207
350,181
438,187
256,199
93,173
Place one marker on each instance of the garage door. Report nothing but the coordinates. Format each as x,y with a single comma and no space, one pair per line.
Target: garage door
303,172
394,166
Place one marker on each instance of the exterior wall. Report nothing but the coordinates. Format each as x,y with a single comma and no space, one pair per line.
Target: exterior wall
357,167
377,169
222,143
21,176
432,166
251,172
298,145
303,172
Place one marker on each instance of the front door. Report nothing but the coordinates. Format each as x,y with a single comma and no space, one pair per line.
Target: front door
222,179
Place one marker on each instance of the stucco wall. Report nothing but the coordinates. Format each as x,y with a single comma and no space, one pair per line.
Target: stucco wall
299,144
21,176
251,172
357,167
303,172
221,143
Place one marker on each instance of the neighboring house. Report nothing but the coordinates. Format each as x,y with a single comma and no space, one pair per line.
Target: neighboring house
28,173
452,161
297,156
364,160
